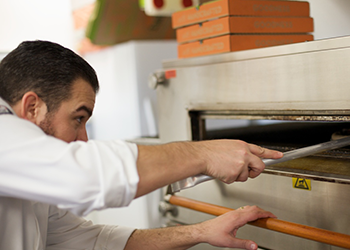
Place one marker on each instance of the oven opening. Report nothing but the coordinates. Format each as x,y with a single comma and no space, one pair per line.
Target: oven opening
283,134
278,134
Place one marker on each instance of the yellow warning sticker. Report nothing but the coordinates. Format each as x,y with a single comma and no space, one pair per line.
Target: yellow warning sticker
301,183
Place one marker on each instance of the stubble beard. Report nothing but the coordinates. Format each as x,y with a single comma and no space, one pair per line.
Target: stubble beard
46,125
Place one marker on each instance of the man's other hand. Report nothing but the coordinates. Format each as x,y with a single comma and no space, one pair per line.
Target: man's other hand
221,231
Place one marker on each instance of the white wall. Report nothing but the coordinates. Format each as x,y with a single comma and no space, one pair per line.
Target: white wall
78,4
121,110
35,19
2,55
116,110
331,18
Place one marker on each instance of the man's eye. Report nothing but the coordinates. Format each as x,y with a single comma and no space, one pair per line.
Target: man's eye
80,119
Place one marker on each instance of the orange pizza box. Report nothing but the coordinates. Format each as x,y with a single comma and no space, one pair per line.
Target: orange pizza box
220,8
244,24
228,43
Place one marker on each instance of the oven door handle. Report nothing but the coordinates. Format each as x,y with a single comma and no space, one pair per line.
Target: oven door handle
287,156
303,231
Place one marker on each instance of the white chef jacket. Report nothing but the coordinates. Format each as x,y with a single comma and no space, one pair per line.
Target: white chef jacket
78,176
29,225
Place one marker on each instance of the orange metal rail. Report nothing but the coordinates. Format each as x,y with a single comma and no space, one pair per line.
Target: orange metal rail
311,233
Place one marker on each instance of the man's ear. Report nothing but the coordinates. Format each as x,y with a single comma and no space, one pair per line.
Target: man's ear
32,107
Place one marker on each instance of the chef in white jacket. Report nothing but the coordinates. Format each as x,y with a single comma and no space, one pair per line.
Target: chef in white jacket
50,173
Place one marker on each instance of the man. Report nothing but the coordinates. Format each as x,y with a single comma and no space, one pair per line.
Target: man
47,94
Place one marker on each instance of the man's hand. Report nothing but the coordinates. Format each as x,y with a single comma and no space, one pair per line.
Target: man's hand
221,231
234,160
226,160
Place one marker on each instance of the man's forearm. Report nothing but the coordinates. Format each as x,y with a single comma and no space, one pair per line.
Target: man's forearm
160,165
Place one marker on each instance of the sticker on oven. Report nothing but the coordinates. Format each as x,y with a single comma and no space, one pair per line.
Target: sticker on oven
170,74
301,183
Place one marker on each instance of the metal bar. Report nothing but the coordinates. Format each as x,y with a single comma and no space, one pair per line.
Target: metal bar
208,110
311,233
290,155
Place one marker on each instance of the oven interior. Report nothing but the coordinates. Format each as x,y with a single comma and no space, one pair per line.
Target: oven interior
284,135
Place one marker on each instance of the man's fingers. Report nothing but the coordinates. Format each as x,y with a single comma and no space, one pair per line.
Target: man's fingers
244,244
243,176
264,152
251,213
256,166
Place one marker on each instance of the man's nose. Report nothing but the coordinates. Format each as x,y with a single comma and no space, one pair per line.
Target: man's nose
82,135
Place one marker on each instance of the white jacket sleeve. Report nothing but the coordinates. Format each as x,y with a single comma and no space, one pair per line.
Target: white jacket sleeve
67,231
78,176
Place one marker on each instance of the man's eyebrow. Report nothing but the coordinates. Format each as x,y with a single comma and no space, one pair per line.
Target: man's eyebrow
89,111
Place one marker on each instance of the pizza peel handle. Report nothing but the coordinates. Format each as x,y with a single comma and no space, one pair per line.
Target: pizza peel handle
290,155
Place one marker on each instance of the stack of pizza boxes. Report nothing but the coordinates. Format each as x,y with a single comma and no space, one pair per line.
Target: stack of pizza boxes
233,25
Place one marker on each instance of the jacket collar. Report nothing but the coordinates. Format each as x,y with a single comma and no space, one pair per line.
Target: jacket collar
5,108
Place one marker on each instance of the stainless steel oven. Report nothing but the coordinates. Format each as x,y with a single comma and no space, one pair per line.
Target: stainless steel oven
282,97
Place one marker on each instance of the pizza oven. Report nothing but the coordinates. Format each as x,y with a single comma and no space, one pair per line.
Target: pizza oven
284,97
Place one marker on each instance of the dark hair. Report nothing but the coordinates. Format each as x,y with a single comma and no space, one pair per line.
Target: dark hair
46,68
